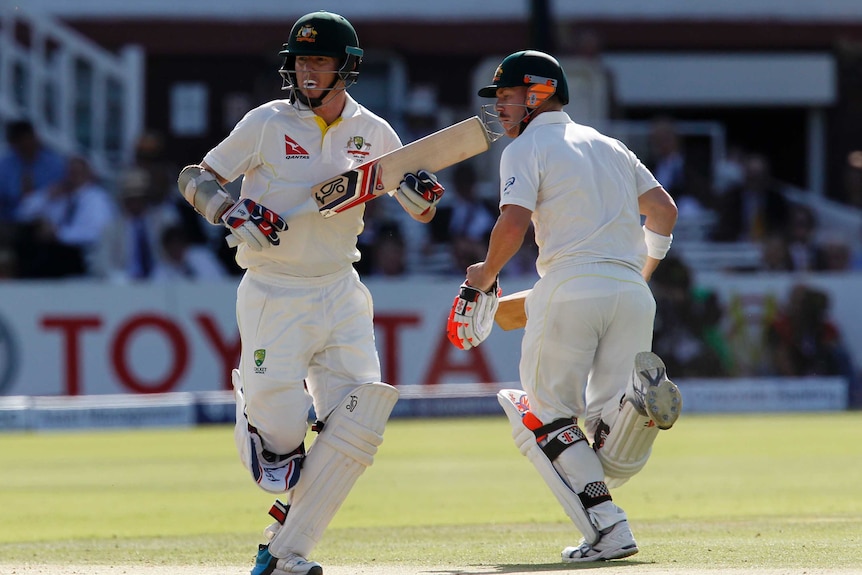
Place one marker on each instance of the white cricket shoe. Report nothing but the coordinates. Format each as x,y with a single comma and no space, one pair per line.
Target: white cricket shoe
293,564
652,393
616,542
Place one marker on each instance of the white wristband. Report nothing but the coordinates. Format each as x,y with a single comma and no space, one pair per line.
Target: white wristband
657,245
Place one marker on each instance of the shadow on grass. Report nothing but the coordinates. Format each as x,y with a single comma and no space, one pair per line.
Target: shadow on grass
515,569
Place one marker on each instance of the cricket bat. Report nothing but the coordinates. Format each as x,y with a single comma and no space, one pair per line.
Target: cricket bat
510,311
382,175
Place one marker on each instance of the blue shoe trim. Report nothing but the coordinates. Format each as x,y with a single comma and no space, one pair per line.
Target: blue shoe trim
264,563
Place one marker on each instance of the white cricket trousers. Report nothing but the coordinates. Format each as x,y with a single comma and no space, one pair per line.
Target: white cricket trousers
585,325
316,333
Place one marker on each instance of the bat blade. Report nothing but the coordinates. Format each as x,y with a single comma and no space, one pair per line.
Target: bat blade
510,311
382,175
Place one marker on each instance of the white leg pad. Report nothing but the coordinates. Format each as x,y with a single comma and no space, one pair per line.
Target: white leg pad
516,404
628,445
335,460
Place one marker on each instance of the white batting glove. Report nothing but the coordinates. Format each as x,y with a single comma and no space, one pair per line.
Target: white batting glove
254,224
472,316
419,192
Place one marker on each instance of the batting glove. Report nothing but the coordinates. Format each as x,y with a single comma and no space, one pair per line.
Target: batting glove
254,224
419,192
472,315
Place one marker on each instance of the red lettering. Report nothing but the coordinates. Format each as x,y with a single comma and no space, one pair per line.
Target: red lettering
228,351
443,362
389,326
70,328
178,345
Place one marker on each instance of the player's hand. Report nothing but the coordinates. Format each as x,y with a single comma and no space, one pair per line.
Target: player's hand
472,315
419,192
254,224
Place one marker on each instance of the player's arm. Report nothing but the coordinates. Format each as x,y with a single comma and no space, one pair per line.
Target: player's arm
661,213
506,239
248,221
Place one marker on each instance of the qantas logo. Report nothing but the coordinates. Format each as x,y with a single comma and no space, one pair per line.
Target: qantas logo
292,150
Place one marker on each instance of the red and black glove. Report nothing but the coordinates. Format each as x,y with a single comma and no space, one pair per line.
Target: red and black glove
254,224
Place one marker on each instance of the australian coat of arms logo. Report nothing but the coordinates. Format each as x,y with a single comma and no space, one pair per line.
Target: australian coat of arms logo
358,148
259,358
306,33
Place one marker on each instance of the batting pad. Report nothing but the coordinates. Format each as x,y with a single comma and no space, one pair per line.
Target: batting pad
516,404
628,446
336,459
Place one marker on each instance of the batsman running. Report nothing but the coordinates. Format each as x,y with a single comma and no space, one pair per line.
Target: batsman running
594,396
304,317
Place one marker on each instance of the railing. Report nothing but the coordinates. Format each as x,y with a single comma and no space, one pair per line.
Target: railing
81,98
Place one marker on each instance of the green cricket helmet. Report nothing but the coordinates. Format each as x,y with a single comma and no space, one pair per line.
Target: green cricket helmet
541,72
322,33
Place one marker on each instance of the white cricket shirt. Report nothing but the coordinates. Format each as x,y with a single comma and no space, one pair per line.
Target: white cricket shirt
282,150
582,188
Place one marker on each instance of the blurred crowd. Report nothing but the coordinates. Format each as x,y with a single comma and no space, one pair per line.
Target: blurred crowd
742,202
62,221
794,335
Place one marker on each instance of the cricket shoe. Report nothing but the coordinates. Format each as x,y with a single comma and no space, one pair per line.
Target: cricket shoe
293,564
652,393
615,542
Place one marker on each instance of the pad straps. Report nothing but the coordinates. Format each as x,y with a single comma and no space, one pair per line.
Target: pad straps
570,434
272,457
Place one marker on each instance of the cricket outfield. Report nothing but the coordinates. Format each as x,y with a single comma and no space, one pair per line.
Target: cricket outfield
770,494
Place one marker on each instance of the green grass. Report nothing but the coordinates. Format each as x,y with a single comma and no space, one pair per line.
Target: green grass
759,491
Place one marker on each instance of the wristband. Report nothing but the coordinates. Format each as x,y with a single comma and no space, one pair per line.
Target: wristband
657,245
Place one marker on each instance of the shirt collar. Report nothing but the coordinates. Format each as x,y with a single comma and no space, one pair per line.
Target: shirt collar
551,117
351,108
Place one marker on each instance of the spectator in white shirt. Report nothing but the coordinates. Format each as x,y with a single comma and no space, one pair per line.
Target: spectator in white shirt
62,224
183,260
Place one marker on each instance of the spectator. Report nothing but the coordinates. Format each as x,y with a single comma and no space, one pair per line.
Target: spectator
466,222
729,172
8,263
61,225
383,246
852,191
389,251
667,161
28,165
775,254
806,251
129,250
374,218
754,209
835,253
150,157
184,260
801,340
688,333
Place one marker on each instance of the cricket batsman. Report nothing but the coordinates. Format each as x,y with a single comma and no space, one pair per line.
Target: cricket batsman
304,317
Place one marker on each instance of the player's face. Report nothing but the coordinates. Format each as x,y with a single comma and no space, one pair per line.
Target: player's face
511,108
315,74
